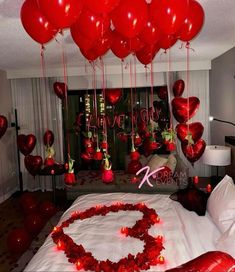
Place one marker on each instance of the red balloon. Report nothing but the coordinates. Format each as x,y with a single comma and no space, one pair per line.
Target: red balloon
134,155
61,13
147,53
90,55
48,138
134,167
211,261
113,96
120,46
33,164
194,129
135,44
98,156
60,89
193,152
130,17
168,15
92,26
107,175
34,223
28,203
102,45
167,41
184,109
3,125
193,21
47,209
150,34
26,143
102,6
18,240
81,41
35,23
178,87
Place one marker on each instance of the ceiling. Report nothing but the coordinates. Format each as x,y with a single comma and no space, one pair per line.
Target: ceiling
19,51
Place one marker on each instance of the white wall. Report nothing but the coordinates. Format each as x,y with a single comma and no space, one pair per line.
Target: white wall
8,165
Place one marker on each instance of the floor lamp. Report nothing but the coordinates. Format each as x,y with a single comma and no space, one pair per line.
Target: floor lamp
211,118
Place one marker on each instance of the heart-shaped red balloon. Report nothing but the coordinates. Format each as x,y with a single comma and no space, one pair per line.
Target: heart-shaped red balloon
60,89
48,138
178,87
3,125
26,143
212,261
195,129
113,96
33,164
193,152
184,108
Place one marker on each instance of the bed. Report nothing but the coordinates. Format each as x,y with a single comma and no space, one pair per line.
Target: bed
185,234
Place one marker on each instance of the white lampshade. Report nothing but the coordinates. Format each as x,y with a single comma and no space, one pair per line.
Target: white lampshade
217,155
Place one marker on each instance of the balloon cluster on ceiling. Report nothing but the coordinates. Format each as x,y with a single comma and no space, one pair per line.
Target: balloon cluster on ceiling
124,26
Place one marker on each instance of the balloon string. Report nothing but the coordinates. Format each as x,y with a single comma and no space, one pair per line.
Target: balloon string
132,112
187,83
43,68
169,88
64,63
135,90
95,104
152,95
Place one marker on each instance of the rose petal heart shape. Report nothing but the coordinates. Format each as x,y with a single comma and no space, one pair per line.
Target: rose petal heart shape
3,125
184,108
211,261
26,143
60,89
48,138
178,87
33,164
193,152
113,96
194,129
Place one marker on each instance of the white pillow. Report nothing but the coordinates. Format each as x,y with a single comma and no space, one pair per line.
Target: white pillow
171,162
226,242
221,204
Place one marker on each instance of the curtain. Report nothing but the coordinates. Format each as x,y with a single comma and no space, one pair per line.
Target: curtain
198,85
38,109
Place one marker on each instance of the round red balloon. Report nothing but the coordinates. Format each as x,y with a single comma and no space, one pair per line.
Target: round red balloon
120,46
102,45
193,22
34,223
167,41
61,13
81,41
130,17
18,240
35,23
102,6
168,15
92,26
147,53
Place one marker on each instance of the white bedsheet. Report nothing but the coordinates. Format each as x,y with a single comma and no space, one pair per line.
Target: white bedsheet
186,235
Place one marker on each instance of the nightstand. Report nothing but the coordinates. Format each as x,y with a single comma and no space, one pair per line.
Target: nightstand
203,183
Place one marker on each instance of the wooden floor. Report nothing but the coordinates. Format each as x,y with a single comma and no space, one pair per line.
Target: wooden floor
11,216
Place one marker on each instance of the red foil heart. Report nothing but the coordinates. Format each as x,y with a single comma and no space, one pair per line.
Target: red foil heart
26,143
195,129
184,108
212,261
178,87
60,89
3,125
193,152
33,164
48,138
113,96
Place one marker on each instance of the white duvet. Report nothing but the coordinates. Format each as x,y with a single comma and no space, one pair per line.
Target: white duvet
186,235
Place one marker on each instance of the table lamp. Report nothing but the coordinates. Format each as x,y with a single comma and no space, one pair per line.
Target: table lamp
217,155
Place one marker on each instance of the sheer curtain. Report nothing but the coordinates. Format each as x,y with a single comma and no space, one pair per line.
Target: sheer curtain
198,85
38,109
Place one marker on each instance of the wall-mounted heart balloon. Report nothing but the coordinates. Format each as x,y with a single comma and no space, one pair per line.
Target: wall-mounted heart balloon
193,152
3,125
178,87
48,138
60,89
184,108
113,96
26,143
211,261
33,164
193,130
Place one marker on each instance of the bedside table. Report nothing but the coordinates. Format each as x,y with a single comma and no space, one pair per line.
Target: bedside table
203,183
